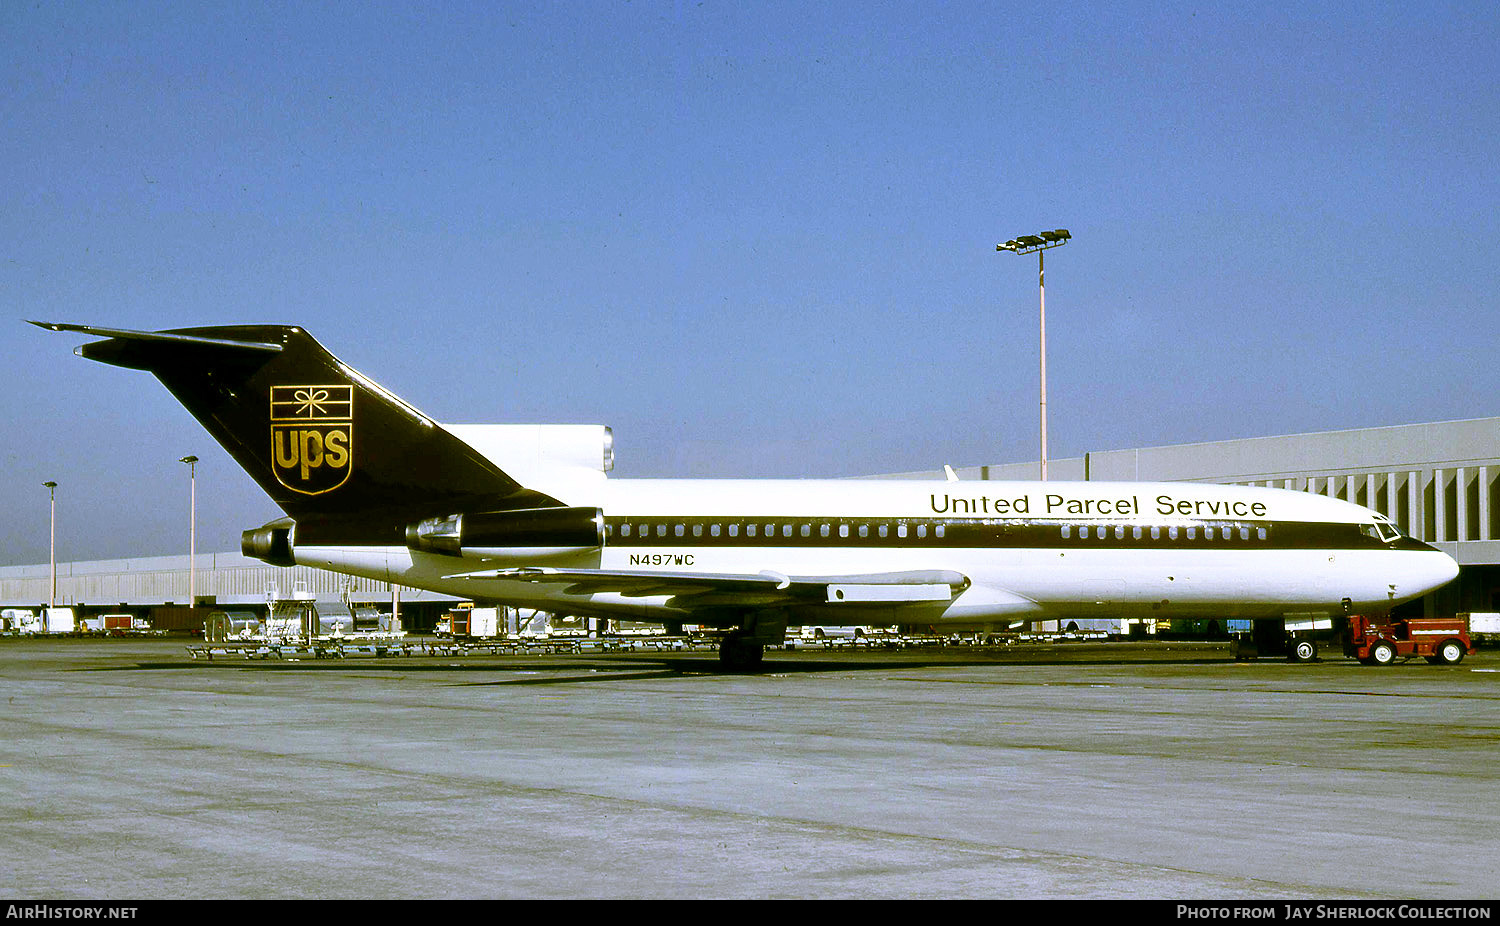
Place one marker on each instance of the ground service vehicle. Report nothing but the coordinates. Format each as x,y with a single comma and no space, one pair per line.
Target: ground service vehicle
1380,641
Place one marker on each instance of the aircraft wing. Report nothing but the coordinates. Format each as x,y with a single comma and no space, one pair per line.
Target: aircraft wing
691,590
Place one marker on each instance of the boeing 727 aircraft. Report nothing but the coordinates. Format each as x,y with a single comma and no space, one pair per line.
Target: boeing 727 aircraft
526,515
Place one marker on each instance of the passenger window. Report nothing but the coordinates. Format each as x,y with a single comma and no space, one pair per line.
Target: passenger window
922,531
698,530
1135,532
1171,533
624,530
661,530
786,530
940,530
678,530
749,530
734,530
843,530
900,530
714,531
1155,533
884,530
823,530
1067,531
1260,533
864,530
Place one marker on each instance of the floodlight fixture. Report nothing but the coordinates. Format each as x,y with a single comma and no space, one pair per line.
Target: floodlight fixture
1025,244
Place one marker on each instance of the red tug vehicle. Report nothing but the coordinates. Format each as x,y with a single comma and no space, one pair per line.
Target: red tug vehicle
1380,641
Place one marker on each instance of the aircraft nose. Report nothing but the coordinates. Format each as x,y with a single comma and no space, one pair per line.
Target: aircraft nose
1450,569
1421,569
1437,569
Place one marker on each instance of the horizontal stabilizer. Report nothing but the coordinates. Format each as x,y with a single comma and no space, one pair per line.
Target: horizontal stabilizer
162,337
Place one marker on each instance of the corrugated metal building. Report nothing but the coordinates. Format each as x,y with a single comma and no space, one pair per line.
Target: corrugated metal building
1437,481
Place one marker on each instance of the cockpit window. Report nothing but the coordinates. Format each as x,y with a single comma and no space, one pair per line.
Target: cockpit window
1382,530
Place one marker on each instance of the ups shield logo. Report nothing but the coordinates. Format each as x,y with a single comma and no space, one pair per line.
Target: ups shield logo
312,437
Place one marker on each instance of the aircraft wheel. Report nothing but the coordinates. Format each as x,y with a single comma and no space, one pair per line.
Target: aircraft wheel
1382,654
740,654
1451,653
1304,651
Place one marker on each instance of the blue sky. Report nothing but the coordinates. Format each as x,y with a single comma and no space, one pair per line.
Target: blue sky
755,239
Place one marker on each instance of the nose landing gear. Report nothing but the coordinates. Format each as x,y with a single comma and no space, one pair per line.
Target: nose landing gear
1305,650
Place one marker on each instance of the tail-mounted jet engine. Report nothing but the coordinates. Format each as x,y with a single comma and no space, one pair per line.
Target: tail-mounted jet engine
524,534
271,542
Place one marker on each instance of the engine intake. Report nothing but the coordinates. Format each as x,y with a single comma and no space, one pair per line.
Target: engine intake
271,542
495,533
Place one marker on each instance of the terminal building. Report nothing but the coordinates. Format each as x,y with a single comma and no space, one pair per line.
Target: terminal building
1438,482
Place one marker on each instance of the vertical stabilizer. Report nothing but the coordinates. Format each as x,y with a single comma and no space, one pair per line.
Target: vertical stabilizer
318,436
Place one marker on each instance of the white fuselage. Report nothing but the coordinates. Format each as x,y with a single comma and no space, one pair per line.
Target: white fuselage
1029,550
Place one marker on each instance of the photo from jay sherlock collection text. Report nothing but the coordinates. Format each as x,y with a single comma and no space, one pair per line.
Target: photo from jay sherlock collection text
1309,912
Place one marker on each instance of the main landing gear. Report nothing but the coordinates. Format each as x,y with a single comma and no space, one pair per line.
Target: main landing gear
740,652
743,648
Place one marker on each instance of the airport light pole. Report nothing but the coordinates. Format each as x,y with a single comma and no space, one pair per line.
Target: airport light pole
52,543
1026,244
192,463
